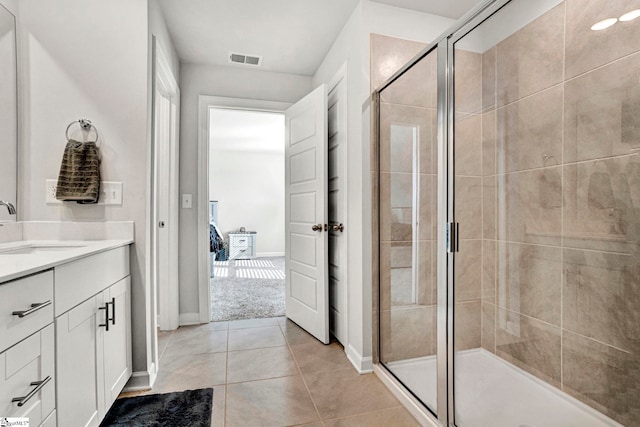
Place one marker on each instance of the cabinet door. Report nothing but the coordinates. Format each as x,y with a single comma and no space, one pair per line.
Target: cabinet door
79,354
28,362
117,340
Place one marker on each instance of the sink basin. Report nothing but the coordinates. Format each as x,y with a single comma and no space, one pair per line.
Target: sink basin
37,249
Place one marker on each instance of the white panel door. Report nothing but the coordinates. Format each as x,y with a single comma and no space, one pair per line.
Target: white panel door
165,193
307,292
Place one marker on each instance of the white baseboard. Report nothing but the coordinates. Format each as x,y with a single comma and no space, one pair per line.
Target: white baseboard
268,254
141,380
189,319
364,365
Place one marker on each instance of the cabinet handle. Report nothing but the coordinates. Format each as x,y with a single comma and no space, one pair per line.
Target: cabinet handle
34,307
106,316
113,310
24,399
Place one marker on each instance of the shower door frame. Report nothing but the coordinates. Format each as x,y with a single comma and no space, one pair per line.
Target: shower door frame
446,222
476,19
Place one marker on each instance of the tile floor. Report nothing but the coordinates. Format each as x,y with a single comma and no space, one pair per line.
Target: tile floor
270,372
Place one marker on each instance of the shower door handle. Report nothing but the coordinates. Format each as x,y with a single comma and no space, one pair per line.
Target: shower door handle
453,231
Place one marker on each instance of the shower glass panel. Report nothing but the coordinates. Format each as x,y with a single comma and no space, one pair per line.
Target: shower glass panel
408,177
547,194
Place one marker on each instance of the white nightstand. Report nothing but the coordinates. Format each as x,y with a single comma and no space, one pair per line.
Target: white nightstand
242,245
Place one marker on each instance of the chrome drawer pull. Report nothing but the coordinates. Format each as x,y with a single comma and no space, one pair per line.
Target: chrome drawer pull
24,399
34,307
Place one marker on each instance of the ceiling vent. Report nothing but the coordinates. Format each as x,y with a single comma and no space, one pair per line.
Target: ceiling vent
241,58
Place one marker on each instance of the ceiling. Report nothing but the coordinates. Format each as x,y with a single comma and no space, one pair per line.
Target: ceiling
293,36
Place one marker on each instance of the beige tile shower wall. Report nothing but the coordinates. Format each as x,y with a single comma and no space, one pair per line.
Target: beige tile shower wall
469,194
560,137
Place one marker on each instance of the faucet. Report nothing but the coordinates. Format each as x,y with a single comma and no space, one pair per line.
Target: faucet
10,207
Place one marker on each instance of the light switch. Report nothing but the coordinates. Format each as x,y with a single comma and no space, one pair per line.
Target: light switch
111,193
186,201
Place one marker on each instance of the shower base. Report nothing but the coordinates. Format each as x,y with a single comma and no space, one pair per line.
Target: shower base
492,392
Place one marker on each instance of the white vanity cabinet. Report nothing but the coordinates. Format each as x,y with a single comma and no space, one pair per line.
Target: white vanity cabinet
93,335
27,356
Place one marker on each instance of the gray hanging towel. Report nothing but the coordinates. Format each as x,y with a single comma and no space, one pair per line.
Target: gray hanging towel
79,178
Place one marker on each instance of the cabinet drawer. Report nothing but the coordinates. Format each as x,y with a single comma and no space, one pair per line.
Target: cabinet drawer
240,242
240,252
18,296
79,280
31,360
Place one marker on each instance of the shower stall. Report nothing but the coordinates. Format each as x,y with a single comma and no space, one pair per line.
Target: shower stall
507,241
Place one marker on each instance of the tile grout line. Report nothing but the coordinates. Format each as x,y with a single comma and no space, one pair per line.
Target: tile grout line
369,412
304,381
226,379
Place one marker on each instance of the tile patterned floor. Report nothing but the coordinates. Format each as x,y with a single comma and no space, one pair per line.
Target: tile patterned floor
270,372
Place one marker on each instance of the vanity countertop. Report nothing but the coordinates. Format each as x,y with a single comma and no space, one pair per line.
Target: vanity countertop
15,265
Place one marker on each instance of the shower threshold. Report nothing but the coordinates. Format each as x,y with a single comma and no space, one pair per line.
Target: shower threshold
492,392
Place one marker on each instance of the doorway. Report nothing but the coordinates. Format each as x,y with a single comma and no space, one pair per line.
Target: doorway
246,184
335,129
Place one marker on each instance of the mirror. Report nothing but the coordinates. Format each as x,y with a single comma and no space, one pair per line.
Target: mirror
8,113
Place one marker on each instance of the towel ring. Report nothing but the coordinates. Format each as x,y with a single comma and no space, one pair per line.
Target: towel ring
85,124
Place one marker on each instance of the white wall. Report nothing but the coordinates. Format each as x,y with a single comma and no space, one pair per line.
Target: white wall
353,46
249,188
11,5
234,82
158,28
90,59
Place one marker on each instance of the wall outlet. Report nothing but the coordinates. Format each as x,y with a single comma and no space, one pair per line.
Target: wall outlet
50,192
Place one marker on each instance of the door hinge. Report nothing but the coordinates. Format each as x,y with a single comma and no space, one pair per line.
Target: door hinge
452,237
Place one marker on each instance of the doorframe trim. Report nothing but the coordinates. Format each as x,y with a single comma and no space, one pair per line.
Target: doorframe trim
342,76
206,102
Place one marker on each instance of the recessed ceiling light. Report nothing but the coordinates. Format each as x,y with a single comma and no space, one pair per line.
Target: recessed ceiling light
630,16
603,24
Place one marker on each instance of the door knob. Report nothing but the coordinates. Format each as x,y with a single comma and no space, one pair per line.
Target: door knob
338,227
317,227
161,224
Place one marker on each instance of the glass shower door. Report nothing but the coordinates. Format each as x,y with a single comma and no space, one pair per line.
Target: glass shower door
408,177
547,194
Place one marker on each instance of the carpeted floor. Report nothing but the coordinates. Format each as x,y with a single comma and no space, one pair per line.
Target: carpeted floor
184,408
248,289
